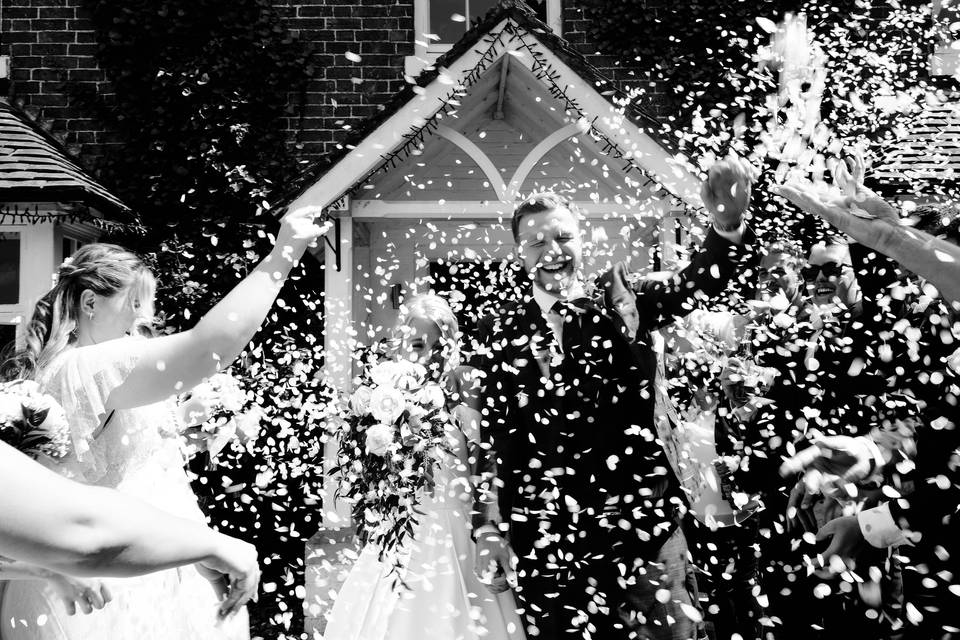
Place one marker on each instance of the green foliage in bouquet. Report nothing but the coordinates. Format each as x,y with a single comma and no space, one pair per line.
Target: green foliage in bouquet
393,431
32,421
202,94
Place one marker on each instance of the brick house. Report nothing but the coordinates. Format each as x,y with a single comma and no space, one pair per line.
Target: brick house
49,206
417,132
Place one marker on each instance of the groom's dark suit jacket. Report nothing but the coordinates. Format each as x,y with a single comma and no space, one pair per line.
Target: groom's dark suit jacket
579,452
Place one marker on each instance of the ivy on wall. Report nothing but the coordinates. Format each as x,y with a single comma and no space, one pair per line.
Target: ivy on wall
201,92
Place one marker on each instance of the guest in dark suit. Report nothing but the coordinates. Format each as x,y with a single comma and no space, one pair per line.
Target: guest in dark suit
580,508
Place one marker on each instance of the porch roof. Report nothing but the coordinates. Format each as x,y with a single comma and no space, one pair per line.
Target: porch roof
928,151
34,167
629,136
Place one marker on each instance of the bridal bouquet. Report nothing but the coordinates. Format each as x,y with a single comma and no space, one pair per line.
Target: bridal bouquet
32,421
392,432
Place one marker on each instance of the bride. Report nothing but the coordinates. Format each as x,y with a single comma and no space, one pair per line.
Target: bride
117,392
443,597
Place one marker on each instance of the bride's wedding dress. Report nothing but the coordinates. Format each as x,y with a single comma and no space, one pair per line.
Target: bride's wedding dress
137,452
445,600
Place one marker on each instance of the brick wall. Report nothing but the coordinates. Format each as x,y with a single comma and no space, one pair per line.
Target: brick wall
576,30
53,49
343,93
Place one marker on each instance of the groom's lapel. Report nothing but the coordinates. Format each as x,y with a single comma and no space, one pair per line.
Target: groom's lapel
531,341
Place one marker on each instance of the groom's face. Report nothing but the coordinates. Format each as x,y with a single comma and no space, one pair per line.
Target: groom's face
549,244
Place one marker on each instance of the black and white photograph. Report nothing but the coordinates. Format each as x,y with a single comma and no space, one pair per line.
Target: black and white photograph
479,319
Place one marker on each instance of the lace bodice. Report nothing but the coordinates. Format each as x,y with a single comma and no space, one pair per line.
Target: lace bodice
81,379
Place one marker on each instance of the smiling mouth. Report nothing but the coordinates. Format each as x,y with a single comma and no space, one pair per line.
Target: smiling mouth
555,267
825,291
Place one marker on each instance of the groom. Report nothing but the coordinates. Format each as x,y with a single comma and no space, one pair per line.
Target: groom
578,508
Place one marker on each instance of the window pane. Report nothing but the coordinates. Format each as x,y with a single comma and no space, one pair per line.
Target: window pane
479,8
443,14
8,335
540,6
450,19
9,267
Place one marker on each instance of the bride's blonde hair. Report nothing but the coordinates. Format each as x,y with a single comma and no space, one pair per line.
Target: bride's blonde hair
437,310
104,269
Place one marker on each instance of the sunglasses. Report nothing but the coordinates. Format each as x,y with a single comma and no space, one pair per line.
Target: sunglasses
829,270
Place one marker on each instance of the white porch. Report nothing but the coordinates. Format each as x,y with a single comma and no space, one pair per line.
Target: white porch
435,183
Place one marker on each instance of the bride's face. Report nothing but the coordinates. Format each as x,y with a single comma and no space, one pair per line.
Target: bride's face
106,318
421,343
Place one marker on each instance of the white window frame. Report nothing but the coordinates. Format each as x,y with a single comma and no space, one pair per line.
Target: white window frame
16,314
428,51
945,59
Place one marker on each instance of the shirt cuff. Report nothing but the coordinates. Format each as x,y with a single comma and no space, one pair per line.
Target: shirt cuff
484,529
735,236
879,529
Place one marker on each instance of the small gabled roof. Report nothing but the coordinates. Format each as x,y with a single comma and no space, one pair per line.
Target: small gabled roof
455,67
34,167
929,150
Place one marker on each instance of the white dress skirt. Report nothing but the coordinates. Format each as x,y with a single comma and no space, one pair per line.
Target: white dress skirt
443,598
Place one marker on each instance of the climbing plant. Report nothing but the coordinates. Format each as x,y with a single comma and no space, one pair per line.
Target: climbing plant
201,94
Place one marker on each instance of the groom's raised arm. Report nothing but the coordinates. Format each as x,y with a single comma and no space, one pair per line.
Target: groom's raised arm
718,260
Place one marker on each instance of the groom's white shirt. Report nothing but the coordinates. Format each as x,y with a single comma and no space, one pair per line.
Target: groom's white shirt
546,299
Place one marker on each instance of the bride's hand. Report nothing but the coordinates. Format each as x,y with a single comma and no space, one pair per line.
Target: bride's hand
236,561
299,228
85,594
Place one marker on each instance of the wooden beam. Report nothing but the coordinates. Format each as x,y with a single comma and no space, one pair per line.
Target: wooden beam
470,210
478,156
502,88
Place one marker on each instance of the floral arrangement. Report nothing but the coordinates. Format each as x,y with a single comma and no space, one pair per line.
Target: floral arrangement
32,421
391,432
226,411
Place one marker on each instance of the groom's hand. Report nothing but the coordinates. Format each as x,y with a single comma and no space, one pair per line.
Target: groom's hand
496,563
727,191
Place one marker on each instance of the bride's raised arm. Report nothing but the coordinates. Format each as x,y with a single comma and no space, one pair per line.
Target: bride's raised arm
174,363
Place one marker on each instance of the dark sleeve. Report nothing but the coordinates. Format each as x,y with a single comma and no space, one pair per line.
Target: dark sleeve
875,271
930,487
707,276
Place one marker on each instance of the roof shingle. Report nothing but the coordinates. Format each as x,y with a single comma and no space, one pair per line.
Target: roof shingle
930,150
34,167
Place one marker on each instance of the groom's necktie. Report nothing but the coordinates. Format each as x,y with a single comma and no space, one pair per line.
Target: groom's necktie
570,314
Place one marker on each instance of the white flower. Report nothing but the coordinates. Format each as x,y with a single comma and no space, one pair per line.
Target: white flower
411,376
10,408
385,373
360,400
431,396
379,437
386,404
401,374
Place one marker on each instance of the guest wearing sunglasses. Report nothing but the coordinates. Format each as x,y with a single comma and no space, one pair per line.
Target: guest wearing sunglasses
829,277
825,346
